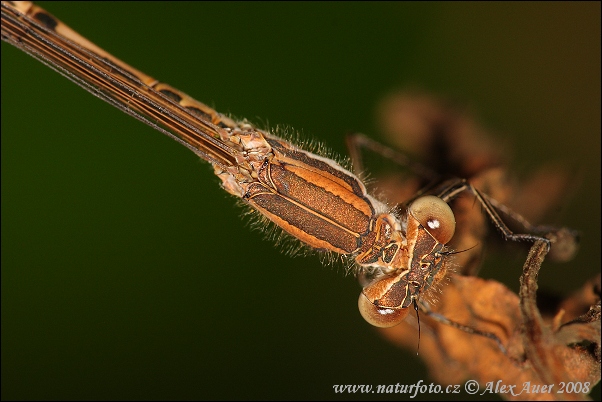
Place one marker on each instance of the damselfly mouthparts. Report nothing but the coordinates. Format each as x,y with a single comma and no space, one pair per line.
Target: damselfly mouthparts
308,196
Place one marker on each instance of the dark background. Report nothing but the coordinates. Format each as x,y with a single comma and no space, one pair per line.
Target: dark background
128,273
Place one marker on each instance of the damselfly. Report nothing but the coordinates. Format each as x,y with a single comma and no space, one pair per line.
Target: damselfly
310,197
124,269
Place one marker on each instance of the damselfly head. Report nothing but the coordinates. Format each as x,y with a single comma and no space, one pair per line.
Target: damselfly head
385,301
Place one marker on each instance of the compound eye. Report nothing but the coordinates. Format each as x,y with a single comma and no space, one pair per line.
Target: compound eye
383,317
436,216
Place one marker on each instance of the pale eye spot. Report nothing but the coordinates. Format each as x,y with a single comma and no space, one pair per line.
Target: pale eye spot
434,224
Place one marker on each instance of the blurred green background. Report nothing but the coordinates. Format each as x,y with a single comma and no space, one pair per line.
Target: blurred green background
127,273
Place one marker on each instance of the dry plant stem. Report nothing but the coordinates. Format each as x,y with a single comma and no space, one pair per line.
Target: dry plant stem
535,330
545,349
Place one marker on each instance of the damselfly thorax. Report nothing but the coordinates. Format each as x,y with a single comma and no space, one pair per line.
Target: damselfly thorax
310,197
